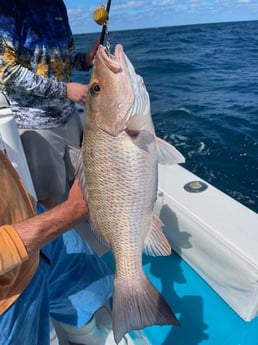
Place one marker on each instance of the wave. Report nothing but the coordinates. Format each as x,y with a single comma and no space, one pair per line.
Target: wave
202,81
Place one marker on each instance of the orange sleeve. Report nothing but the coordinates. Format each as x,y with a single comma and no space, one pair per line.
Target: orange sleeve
12,249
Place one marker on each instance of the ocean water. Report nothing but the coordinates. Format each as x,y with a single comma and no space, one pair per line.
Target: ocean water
203,86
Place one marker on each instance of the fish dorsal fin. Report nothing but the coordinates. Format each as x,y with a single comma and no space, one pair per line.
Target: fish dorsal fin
168,154
156,243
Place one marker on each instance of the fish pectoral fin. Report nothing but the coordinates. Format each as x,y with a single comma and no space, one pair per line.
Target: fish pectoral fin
140,123
137,304
156,243
168,154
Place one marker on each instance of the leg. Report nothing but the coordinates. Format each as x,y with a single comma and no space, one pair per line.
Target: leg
78,279
78,292
72,137
26,322
44,151
53,336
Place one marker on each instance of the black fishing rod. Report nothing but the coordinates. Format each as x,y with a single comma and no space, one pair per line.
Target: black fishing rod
101,16
104,28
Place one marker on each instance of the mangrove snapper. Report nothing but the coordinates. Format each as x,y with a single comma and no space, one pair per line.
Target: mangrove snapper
118,171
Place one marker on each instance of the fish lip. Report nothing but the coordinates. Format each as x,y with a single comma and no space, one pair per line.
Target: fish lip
112,61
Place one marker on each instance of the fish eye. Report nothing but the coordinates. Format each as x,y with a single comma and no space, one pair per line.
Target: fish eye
95,89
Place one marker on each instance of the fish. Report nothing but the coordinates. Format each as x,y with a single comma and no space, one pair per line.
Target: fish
118,173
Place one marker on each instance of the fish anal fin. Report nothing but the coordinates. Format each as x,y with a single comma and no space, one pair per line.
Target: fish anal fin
167,153
156,243
138,304
96,232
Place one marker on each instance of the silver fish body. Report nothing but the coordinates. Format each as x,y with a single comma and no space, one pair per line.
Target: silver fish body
119,174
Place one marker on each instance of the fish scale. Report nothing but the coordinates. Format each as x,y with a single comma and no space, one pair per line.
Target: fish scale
115,180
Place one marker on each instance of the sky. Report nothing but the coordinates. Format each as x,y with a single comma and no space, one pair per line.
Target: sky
137,14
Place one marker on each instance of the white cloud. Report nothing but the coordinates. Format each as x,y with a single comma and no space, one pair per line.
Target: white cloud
74,11
129,14
129,5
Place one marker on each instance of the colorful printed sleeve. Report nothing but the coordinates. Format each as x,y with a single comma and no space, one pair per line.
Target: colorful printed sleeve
78,60
13,74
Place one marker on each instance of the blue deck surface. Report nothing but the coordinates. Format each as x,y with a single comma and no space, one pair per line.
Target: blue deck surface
204,317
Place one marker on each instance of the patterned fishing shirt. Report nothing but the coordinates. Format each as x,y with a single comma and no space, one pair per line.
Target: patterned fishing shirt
37,55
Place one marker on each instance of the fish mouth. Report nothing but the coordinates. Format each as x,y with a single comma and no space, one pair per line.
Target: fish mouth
113,61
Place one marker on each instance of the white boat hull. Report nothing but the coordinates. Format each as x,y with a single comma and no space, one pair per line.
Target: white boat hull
214,234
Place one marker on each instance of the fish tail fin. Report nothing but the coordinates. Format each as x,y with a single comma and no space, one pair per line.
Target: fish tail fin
138,305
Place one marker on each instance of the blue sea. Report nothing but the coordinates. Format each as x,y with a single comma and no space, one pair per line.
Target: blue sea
203,85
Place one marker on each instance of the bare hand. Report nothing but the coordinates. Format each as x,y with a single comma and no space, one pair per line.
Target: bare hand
77,92
39,230
92,52
76,198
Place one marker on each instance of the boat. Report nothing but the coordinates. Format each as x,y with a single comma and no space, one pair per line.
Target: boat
211,278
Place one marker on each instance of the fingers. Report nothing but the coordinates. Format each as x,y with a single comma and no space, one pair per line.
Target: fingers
77,92
92,52
83,101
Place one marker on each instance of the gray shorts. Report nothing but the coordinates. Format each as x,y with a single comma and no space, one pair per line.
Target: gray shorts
52,156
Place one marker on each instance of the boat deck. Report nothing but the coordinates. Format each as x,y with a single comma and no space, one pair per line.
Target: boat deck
204,317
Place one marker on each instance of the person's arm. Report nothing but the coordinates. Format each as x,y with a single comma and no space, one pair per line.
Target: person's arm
45,227
16,76
13,73
80,61
83,61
